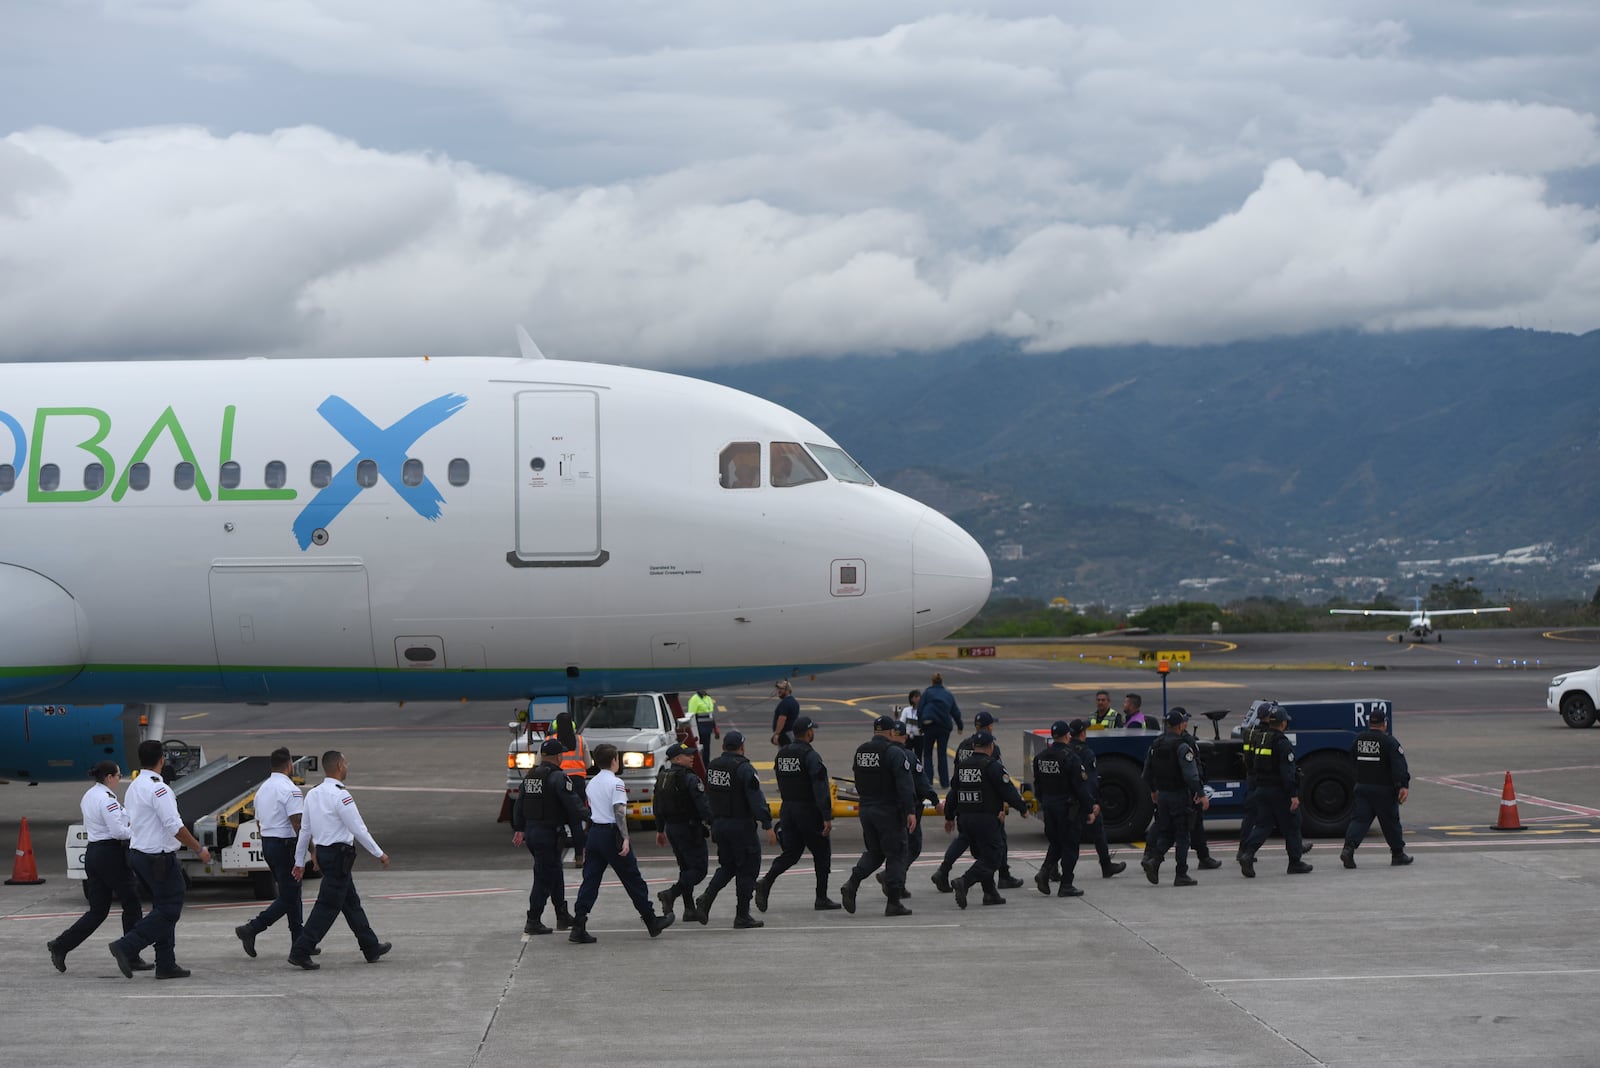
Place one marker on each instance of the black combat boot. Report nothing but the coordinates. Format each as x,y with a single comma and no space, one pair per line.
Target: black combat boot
941,880
959,888
1400,860
563,917
1247,865
1068,890
991,896
743,921
1152,870
894,907
667,896
1182,879
1009,881
847,894
1299,867
1115,867
534,926
702,907
580,931
1347,857
1209,863
763,889
656,924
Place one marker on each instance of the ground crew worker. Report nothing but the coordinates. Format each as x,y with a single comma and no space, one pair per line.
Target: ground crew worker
683,818
938,715
1103,717
1383,782
784,715
888,813
1097,829
546,803
981,791
155,831
1133,713
805,817
333,822
1172,775
610,847
737,805
106,874
704,711
982,722
1275,796
278,804
1061,785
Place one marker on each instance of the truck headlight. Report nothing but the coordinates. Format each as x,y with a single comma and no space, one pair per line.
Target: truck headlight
638,760
521,761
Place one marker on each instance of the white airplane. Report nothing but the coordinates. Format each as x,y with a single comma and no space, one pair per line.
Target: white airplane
1420,623
405,529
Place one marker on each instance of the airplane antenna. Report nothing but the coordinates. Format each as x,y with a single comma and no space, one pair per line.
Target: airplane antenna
530,351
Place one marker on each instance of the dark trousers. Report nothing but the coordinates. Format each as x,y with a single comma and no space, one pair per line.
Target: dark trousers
688,842
602,852
883,833
1061,826
936,745
960,845
914,839
163,874
799,832
738,858
704,725
279,854
106,876
1197,832
1172,826
1379,802
544,842
1271,806
1096,832
335,897
983,835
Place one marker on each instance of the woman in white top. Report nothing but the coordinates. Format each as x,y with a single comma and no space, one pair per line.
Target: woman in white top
610,847
105,867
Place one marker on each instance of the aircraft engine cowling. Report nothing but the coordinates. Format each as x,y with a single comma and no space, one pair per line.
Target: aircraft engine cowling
45,636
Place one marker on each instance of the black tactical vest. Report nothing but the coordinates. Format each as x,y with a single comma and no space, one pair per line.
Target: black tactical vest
1050,770
794,785
974,792
1264,772
1164,757
874,781
1372,760
724,790
672,801
539,803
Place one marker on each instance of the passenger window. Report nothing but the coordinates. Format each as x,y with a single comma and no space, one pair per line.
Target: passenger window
183,475
792,466
740,465
460,472
277,474
228,477
139,476
367,473
94,477
321,474
8,478
411,473
49,477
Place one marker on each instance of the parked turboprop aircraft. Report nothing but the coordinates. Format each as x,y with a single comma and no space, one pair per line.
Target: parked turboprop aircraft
392,529
1421,619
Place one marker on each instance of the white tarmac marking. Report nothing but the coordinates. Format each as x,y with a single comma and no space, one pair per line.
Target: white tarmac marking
449,893
427,789
841,928
1417,975
175,997
1490,791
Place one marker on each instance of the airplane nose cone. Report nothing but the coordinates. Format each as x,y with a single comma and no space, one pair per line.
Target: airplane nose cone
950,578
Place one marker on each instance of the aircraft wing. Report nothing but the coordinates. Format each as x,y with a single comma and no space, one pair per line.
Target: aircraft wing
1370,612
1464,611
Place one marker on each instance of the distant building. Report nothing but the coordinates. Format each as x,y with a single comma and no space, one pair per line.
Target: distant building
1009,550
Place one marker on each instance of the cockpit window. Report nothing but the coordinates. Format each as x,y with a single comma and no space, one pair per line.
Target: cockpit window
839,464
792,466
739,466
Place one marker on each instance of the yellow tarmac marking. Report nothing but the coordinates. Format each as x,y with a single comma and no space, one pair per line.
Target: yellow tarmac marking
761,765
195,715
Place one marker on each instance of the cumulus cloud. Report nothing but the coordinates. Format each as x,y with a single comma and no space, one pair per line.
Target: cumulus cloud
702,185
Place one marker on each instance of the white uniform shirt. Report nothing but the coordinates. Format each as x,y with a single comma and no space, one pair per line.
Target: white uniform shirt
605,790
153,820
330,818
276,800
104,818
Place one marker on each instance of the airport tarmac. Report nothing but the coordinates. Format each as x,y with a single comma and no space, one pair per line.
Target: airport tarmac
1483,952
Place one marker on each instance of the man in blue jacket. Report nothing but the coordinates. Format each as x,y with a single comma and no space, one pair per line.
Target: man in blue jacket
938,714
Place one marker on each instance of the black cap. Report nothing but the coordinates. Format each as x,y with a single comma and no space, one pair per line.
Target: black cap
884,723
902,727
678,749
1274,713
552,746
1176,716
733,740
803,724
1061,726
983,719
982,738
1077,726
1377,715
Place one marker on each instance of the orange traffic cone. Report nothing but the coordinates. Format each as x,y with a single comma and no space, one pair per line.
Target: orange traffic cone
23,871
1509,820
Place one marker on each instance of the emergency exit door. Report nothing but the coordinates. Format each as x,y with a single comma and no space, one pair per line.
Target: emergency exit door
558,480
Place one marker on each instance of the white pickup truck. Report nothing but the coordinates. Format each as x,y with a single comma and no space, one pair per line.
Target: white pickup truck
1575,695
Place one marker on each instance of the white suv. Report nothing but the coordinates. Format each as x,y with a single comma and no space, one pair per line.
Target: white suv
1575,696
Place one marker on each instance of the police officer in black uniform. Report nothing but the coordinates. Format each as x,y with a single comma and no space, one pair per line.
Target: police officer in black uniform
926,794
1062,787
1197,819
1383,782
737,805
888,813
1097,829
979,793
1274,796
805,819
683,818
941,878
547,802
1172,774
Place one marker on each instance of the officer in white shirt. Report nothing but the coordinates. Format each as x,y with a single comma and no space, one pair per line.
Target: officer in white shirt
278,806
331,821
155,831
106,874
609,846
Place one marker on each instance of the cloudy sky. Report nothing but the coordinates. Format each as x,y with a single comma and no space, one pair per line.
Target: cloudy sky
696,182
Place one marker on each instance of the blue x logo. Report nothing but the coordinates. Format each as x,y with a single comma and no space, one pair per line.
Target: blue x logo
387,446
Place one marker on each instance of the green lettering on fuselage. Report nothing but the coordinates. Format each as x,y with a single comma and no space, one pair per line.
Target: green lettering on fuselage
226,494
90,445
168,422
